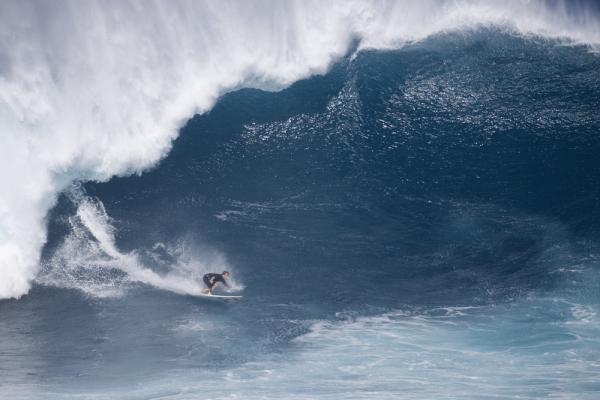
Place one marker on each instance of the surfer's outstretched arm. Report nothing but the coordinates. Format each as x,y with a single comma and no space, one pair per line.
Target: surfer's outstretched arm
222,277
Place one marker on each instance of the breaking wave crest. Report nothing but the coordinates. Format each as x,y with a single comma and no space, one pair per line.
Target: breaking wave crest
90,90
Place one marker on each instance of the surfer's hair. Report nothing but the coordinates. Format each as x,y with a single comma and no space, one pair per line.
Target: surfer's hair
225,272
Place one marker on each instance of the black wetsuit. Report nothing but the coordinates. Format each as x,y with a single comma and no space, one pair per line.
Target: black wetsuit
211,279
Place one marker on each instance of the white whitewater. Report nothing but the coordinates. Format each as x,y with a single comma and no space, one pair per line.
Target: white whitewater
90,261
94,89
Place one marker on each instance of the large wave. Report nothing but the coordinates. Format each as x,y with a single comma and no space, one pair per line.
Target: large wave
90,90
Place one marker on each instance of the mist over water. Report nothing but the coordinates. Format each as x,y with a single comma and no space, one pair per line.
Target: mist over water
415,217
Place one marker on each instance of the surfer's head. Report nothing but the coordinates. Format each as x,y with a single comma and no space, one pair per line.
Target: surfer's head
225,273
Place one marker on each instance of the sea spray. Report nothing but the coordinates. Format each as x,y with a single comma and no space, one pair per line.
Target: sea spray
89,260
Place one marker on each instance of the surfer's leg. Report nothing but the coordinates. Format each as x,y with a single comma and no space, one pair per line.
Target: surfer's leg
209,285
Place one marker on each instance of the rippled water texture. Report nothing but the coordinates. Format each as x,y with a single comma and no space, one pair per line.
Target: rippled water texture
416,223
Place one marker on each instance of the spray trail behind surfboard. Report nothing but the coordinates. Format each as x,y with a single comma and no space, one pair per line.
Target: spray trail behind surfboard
88,258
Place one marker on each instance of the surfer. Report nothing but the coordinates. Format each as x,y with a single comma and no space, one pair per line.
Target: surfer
211,279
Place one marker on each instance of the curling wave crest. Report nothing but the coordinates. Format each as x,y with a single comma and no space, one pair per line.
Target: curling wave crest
90,90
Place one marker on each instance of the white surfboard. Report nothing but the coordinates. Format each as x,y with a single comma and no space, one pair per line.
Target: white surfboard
217,297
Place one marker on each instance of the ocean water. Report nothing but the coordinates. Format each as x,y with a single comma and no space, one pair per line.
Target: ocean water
416,221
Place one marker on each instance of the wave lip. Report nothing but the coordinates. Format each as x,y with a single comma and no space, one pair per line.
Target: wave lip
85,95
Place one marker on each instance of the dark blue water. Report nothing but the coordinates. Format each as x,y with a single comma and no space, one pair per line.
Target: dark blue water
422,221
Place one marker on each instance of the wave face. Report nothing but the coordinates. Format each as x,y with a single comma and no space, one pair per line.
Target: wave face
416,222
92,90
